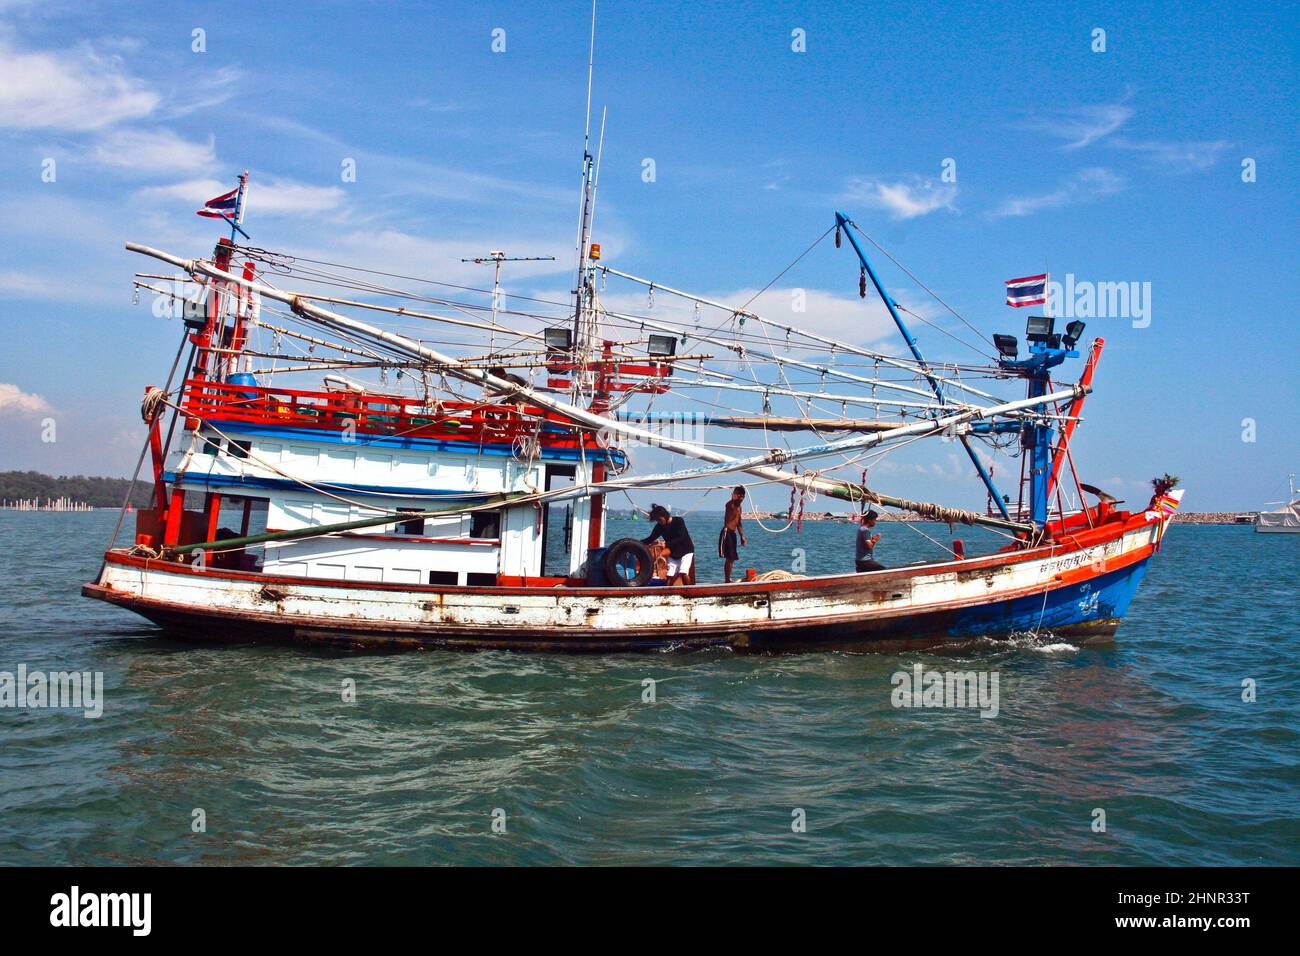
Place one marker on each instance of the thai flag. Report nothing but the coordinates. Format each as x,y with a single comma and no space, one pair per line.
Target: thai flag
1030,290
224,206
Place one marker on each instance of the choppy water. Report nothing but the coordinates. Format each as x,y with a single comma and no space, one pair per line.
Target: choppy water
1153,730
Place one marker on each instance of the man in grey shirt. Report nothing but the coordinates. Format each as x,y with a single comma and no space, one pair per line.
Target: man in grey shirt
867,544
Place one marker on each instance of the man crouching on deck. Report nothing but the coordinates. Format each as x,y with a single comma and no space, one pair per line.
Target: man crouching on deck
732,525
681,549
866,544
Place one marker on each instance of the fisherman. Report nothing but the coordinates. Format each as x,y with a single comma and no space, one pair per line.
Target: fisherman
500,372
681,550
732,526
867,544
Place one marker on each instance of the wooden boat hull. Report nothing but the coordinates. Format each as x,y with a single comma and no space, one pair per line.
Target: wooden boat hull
1077,590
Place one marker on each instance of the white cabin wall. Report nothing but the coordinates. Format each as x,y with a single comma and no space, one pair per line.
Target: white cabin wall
273,460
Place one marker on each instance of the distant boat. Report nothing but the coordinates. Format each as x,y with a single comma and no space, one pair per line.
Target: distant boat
1284,520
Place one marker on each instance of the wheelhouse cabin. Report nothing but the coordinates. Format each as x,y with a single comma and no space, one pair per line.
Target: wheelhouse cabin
313,458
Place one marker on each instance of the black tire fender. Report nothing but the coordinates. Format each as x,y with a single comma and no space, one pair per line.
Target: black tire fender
618,554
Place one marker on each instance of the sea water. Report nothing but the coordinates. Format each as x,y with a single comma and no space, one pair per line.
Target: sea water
1178,744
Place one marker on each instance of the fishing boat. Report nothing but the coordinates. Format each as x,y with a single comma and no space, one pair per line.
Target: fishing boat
461,499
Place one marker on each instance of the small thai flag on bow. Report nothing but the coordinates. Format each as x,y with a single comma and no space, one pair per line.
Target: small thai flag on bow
224,206
1030,290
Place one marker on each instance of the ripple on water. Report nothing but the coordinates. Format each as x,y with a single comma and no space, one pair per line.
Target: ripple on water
1153,730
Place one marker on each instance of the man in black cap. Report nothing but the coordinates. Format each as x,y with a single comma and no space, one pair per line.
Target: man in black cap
867,544
677,541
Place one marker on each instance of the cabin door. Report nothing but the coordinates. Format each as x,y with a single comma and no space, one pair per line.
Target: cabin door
557,522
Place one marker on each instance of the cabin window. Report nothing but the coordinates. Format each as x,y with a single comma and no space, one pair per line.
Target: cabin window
481,579
442,577
239,449
485,524
211,447
411,525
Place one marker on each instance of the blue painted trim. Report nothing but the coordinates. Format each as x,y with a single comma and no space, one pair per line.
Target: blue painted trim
284,484
362,439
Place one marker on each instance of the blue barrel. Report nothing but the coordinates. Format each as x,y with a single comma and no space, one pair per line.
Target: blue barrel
596,567
242,378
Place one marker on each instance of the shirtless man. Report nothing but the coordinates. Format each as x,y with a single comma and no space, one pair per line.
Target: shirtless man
732,526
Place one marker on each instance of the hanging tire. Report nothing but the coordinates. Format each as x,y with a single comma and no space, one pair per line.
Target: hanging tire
623,555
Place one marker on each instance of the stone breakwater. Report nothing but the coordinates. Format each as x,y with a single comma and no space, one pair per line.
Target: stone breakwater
1216,517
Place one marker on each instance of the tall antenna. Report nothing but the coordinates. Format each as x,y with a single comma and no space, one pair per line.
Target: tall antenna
580,290
498,257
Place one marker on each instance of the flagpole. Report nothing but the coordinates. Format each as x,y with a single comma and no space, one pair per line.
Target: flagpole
239,208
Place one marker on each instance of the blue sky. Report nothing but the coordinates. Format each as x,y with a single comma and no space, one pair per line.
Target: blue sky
1115,166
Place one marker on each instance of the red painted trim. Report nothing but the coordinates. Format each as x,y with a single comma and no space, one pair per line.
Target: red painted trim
377,414
159,460
1076,406
175,512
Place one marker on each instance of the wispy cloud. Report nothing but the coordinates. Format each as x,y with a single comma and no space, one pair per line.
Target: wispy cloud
904,199
1085,186
146,152
14,401
416,177
1175,156
271,197
73,90
211,89
1082,126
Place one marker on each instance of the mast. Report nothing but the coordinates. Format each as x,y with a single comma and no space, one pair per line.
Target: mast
843,222
582,285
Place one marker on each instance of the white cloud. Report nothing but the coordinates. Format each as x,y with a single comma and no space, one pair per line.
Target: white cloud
54,287
68,90
14,401
1084,186
271,197
213,88
153,151
1083,125
905,199
1175,156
